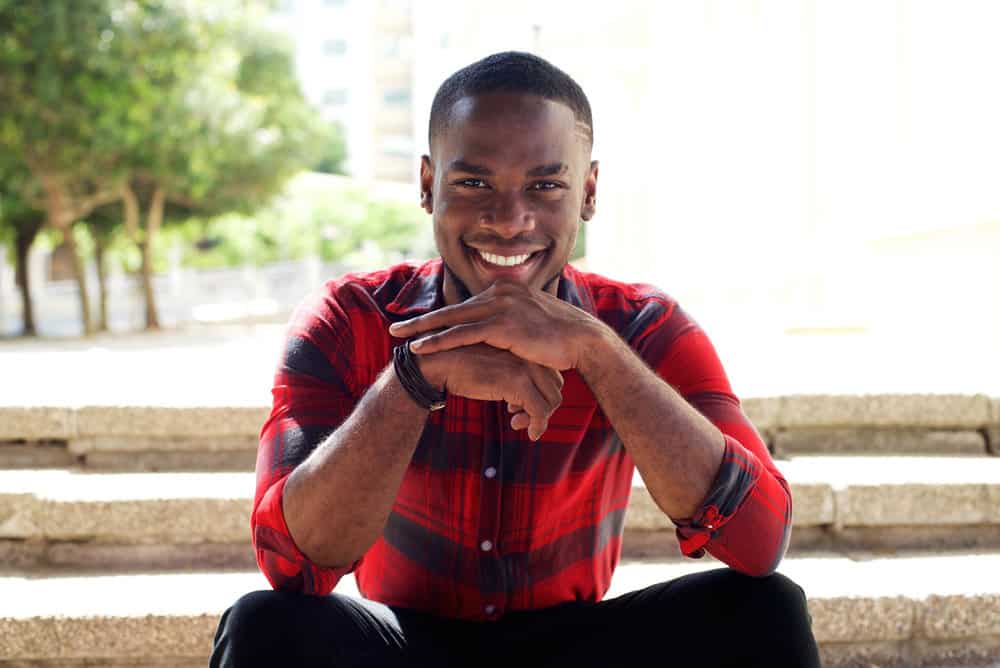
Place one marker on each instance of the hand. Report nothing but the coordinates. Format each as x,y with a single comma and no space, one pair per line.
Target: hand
532,324
532,392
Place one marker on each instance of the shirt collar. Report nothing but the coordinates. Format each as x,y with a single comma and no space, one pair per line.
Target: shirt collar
573,289
423,291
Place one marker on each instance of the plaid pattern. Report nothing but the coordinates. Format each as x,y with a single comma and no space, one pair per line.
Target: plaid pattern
554,512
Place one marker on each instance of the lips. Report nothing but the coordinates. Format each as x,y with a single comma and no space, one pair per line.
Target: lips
516,264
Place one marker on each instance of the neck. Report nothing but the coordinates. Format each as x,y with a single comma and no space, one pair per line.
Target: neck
454,289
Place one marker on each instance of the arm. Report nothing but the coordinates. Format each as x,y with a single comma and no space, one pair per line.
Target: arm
336,502
320,502
675,448
319,411
703,462
701,459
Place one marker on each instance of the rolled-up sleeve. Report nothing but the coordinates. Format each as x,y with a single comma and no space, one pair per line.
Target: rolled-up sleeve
745,519
312,395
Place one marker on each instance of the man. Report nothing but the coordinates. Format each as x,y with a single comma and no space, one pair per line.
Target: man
462,435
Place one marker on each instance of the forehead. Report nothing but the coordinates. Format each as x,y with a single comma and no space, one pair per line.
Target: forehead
510,126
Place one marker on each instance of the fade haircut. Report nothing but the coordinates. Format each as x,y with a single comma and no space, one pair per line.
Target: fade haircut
510,72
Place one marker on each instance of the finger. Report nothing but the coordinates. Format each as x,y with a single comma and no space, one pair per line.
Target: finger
535,405
520,421
459,336
448,316
549,382
514,408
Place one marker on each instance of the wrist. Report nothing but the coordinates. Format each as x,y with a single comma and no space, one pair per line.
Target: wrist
596,345
431,368
407,367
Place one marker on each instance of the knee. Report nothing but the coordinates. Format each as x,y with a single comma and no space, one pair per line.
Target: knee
729,593
247,630
777,592
763,601
778,622
256,614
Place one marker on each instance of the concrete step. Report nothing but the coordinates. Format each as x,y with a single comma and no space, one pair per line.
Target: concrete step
225,437
866,610
189,520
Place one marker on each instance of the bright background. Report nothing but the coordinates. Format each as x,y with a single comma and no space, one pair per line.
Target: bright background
817,182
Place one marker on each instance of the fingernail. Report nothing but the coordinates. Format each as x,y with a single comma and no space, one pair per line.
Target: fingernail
415,345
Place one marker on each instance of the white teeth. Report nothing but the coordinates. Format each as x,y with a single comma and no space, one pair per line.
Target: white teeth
504,260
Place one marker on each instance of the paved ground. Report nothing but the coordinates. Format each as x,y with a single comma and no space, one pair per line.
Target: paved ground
233,365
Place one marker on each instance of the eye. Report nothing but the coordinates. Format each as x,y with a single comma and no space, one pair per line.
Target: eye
545,185
472,183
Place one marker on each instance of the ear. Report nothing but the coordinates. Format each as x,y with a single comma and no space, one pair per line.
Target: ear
426,184
589,205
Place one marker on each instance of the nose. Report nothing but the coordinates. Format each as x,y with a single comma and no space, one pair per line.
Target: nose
508,216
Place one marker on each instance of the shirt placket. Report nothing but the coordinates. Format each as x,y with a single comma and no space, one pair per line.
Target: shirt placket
492,586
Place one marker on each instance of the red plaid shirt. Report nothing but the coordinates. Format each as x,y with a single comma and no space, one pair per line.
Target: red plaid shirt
487,521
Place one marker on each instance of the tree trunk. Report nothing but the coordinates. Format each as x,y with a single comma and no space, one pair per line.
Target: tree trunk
24,237
80,273
154,219
100,251
61,215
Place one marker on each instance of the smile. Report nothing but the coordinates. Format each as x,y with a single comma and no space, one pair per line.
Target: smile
504,260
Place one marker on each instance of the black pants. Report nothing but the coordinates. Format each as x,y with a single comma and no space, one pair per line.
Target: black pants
713,618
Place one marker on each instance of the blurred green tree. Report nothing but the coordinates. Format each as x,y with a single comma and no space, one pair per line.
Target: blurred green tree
153,103
330,217
65,109
333,153
89,80
104,224
224,138
20,224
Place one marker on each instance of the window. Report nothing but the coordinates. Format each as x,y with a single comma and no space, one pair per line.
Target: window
391,48
397,97
335,97
397,146
335,47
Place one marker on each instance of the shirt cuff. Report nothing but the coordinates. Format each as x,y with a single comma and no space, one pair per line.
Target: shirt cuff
737,475
284,565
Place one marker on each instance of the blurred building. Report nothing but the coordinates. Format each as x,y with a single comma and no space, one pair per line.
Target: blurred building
355,62
784,169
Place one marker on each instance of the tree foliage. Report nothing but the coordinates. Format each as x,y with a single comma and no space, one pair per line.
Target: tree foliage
317,215
226,136
333,153
165,106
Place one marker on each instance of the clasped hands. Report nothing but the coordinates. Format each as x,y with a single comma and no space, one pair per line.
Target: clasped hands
508,343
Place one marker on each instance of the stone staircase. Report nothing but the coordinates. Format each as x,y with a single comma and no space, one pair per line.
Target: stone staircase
124,531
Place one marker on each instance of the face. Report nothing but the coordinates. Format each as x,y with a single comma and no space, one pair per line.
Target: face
507,182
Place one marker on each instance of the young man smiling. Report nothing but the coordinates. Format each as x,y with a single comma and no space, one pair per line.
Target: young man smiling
462,435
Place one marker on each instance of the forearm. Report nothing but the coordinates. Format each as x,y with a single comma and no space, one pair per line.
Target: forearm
337,501
675,448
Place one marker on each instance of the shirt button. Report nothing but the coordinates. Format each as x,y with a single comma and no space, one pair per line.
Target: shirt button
490,472
486,545
490,609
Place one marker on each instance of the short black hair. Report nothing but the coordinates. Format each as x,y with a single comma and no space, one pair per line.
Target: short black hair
512,72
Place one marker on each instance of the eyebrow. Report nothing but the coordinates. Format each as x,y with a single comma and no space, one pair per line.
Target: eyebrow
549,170
469,168
542,170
